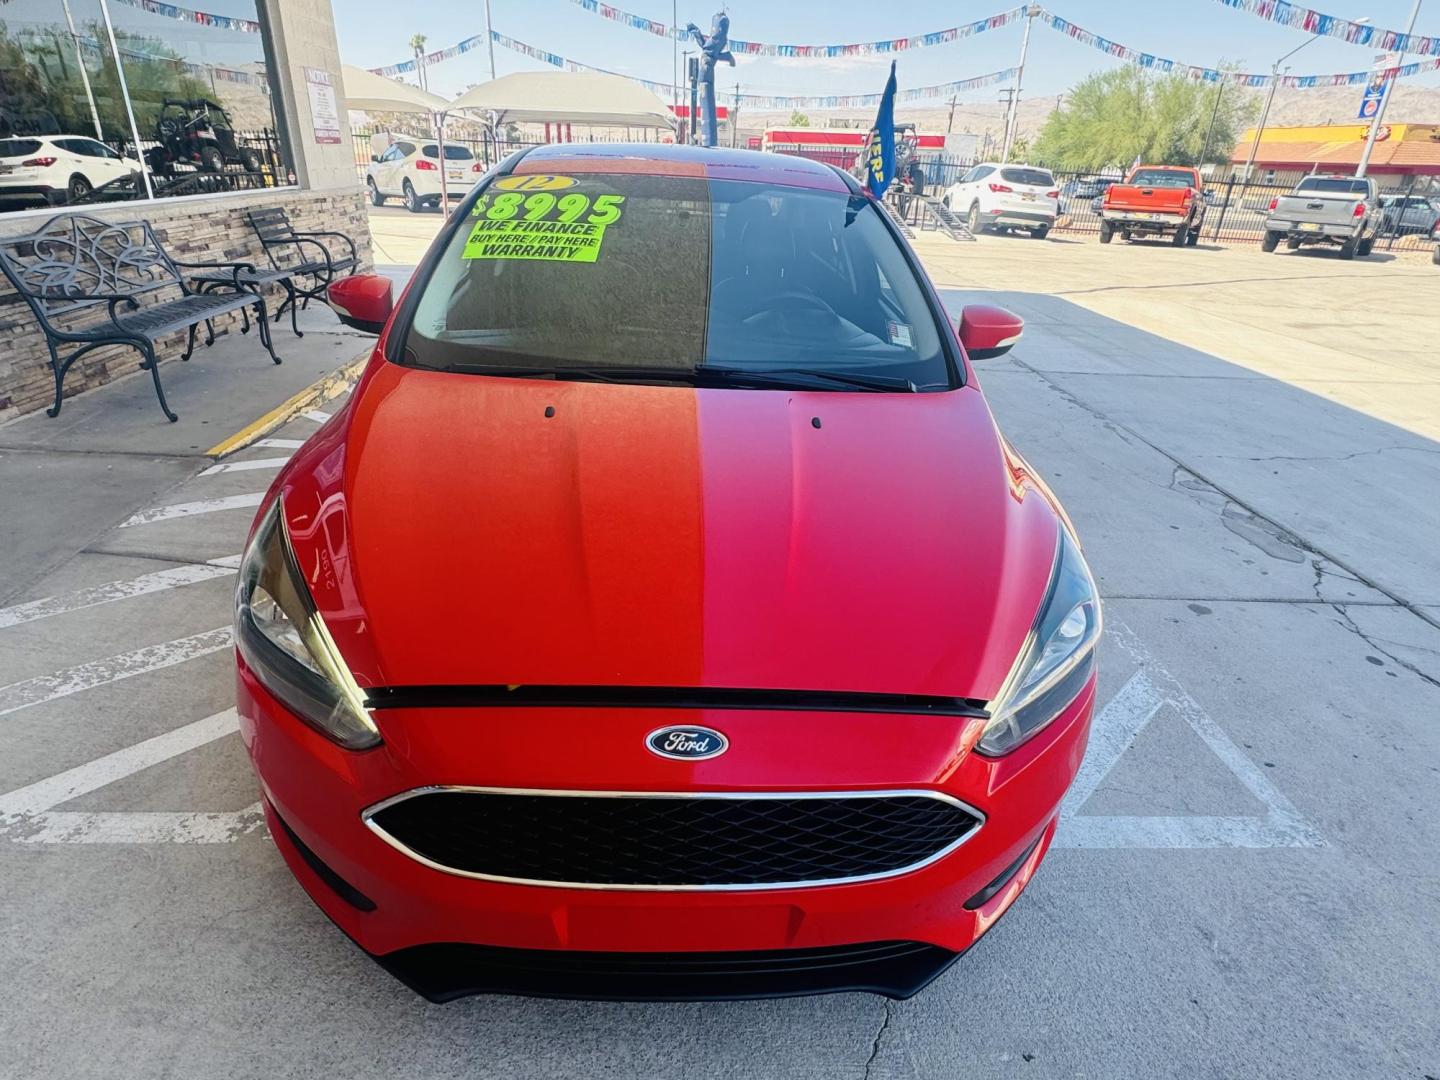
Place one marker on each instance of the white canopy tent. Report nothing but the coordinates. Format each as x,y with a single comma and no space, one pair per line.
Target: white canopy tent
369,92
577,97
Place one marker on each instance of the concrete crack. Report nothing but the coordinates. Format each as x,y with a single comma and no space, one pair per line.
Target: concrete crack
1341,457
879,1036
1349,624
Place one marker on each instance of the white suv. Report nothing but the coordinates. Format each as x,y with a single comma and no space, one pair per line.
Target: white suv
1006,196
58,169
410,169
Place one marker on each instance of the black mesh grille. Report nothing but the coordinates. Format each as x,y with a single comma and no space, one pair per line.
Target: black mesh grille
619,840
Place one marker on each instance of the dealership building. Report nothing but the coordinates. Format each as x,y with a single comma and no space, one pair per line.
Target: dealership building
116,81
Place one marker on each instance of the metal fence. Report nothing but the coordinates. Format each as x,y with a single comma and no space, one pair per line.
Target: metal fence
1235,211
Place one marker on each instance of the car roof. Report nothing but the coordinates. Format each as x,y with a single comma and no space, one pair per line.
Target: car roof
661,159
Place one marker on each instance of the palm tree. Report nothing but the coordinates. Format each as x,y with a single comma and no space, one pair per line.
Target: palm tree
417,43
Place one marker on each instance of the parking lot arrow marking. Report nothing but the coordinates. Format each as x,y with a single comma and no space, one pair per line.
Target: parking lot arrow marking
156,581
190,509
1114,731
75,680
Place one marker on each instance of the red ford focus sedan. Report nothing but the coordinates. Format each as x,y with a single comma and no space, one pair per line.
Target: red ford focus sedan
664,615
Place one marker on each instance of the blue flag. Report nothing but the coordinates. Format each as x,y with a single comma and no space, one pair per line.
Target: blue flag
880,164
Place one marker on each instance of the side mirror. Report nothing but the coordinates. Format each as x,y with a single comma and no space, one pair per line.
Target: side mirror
375,159
988,332
363,302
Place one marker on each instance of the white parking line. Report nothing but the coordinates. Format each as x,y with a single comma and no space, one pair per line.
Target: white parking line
316,415
249,465
190,509
26,814
280,444
158,581
43,688
83,779
149,827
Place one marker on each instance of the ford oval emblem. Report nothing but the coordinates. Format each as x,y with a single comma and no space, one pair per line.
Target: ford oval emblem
687,743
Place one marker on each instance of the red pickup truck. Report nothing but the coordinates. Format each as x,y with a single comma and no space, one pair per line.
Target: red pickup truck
1155,200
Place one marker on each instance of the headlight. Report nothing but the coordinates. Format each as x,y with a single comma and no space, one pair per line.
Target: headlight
285,642
1057,659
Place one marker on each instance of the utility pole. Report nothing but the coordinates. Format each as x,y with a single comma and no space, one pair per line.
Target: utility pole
1011,118
1380,112
490,38
675,58
735,118
950,120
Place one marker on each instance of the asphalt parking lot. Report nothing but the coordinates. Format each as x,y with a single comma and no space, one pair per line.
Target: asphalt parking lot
1246,883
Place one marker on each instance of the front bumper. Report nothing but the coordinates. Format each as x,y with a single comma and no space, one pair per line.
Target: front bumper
447,936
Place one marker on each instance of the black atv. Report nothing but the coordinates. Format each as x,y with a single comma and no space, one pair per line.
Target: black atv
197,133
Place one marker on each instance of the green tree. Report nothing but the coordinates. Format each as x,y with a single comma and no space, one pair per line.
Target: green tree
1112,117
799,119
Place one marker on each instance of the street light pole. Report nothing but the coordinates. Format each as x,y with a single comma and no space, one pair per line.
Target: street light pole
1385,100
1214,113
1274,82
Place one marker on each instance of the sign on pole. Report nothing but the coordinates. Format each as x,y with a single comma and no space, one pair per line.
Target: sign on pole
1381,78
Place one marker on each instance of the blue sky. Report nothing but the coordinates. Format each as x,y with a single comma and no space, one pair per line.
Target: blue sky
1202,32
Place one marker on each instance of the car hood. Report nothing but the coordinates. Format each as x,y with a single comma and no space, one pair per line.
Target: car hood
464,530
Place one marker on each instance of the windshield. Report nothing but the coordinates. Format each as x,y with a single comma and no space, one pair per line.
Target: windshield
1340,185
1034,177
638,278
1166,178
452,152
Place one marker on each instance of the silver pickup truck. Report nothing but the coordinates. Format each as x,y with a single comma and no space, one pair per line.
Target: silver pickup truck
1340,210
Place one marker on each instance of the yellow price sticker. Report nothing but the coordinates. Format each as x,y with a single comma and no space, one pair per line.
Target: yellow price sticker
545,241
534,182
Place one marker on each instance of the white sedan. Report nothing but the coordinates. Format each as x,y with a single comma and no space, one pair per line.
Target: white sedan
58,169
410,170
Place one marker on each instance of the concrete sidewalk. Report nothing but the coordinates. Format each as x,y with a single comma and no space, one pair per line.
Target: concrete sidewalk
111,451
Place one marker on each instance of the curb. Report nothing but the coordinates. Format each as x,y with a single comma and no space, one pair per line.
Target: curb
324,389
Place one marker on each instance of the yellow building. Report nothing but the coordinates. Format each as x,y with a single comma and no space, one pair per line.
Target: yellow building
1287,153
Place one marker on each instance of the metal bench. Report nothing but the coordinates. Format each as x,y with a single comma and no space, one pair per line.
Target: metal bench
84,280
304,265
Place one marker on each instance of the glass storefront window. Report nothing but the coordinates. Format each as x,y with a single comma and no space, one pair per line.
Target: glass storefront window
197,84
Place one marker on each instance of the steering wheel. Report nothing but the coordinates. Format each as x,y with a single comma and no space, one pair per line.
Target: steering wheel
794,297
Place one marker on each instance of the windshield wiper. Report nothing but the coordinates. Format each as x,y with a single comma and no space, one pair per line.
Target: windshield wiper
706,375
794,378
